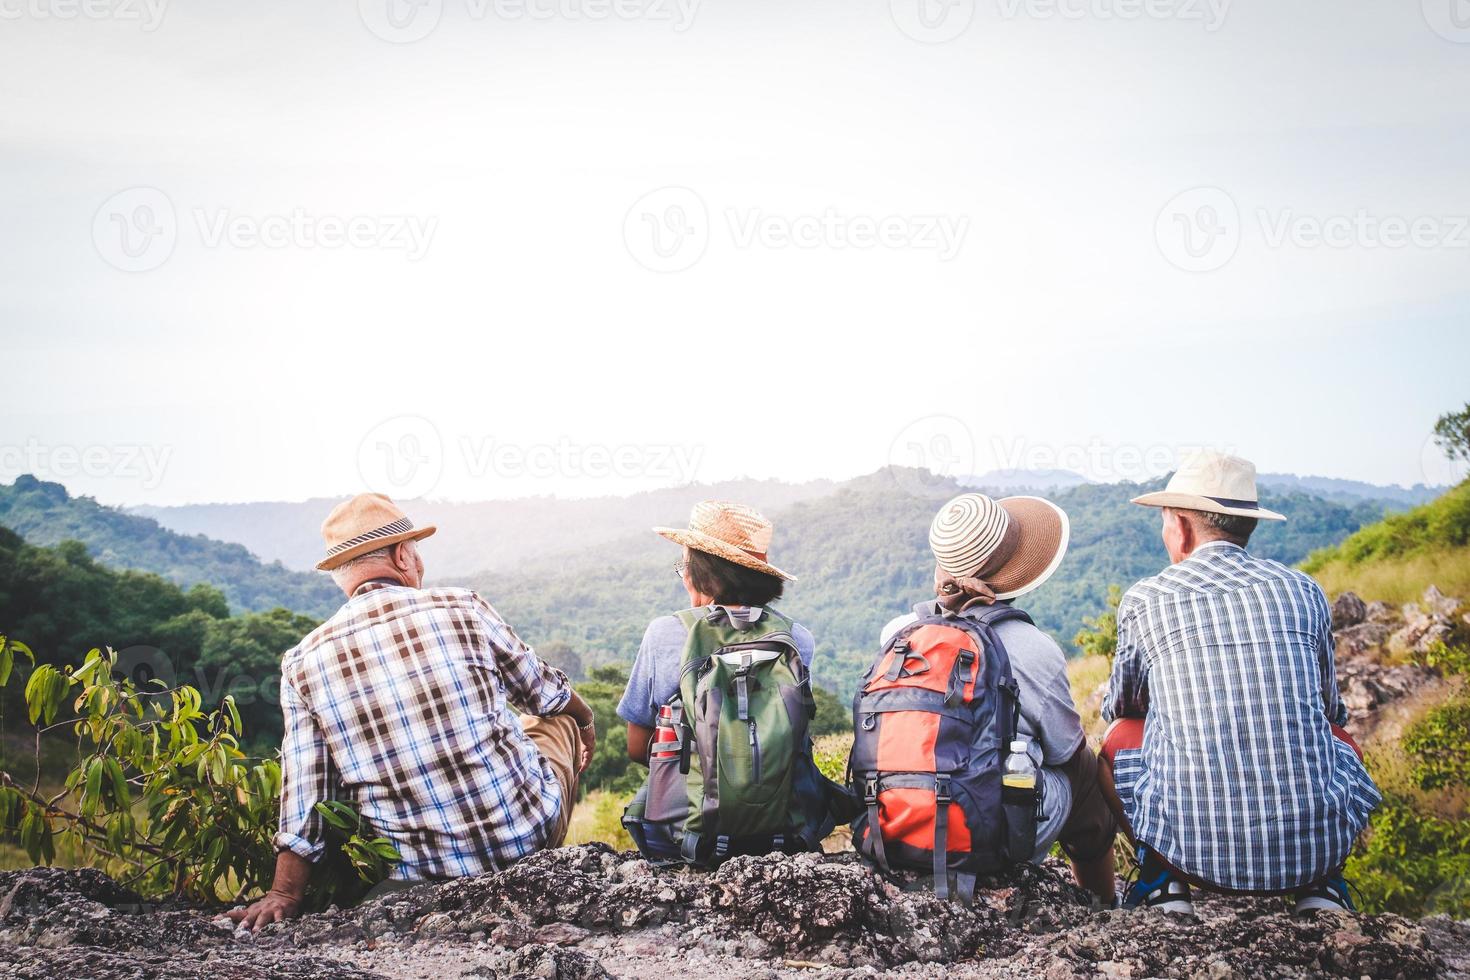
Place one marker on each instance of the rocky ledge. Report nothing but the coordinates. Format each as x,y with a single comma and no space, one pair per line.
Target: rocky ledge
589,912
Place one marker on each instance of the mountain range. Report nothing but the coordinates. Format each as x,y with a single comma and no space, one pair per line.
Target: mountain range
588,573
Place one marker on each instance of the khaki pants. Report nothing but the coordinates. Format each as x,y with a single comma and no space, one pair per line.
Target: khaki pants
560,744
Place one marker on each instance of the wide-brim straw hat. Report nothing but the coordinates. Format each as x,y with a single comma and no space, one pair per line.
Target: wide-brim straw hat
365,523
1013,544
730,531
1215,483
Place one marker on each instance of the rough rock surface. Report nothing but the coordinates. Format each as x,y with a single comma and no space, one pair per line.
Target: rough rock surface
587,912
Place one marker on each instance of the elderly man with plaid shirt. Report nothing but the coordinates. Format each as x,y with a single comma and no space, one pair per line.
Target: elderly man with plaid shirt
401,703
1227,761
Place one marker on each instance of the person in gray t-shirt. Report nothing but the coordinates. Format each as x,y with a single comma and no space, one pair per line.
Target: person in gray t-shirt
989,551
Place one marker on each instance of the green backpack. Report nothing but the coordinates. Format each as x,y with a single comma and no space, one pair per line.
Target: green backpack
730,770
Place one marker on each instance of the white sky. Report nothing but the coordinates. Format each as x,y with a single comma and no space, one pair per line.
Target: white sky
524,332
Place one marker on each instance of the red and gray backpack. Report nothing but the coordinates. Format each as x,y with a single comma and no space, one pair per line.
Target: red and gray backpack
932,723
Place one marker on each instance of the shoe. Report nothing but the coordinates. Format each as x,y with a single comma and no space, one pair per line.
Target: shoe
1163,892
1329,894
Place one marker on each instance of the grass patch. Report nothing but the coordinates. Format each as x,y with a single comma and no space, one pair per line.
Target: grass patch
1086,674
1398,580
599,817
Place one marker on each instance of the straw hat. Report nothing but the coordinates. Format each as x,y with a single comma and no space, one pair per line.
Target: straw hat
365,523
1013,545
1213,482
733,532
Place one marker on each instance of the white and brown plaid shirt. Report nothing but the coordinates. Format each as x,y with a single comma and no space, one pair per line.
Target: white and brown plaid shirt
401,704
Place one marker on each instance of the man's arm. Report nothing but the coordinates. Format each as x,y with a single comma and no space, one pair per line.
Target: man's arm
1332,704
1127,695
533,684
307,778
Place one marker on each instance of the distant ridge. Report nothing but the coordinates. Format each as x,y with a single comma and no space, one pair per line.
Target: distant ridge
478,536
45,514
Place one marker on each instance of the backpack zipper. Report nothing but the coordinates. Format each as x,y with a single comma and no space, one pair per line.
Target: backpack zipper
755,753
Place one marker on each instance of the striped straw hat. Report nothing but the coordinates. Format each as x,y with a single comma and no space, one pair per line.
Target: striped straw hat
365,523
733,532
1013,544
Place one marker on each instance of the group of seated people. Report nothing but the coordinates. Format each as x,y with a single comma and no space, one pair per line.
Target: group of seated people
1225,765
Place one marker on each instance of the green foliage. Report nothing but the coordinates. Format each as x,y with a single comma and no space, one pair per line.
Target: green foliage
1100,635
1452,434
830,753
1439,743
1412,859
1435,526
45,514
159,789
610,769
1448,659
60,599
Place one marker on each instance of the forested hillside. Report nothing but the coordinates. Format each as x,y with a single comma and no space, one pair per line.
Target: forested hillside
61,603
862,557
45,514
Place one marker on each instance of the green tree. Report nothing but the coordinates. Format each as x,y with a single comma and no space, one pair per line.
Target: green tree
1452,434
1099,635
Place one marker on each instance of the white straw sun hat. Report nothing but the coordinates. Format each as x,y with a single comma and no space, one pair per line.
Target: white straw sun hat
1215,483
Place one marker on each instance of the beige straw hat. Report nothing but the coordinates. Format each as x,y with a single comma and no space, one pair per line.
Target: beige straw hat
365,523
1212,482
1013,545
733,532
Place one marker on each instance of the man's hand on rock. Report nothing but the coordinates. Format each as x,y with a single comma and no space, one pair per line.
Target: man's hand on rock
588,732
273,907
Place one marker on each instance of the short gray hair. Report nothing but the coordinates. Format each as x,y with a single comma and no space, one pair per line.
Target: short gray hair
366,558
1232,527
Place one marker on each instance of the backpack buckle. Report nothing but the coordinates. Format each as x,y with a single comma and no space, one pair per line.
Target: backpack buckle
870,791
941,791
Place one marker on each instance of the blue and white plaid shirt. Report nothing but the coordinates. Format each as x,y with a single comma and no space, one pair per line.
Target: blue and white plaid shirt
1230,659
400,703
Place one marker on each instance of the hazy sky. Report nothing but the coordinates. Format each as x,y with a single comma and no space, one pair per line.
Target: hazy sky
482,248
